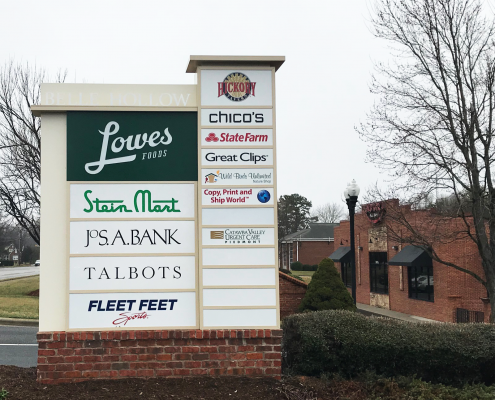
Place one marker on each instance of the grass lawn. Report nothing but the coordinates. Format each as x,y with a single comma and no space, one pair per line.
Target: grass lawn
14,301
306,275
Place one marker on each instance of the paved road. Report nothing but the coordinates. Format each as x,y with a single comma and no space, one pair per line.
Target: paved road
18,272
18,346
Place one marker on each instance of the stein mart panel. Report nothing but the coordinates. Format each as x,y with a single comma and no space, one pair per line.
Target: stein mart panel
239,297
238,216
132,237
132,146
258,176
239,256
241,318
129,200
132,273
236,137
237,196
238,276
236,87
253,117
238,236
132,310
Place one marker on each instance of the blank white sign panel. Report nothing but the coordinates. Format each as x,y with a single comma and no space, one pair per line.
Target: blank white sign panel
132,273
239,256
229,318
239,297
238,276
238,216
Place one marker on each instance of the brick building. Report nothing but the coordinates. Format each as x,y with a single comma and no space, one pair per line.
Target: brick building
403,277
309,246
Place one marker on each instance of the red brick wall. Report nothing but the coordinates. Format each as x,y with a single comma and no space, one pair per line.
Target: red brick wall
291,292
452,288
77,356
312,252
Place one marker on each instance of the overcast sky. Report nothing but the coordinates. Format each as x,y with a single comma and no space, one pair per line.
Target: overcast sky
322,89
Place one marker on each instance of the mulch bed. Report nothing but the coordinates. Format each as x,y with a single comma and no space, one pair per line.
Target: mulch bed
21,384
34,293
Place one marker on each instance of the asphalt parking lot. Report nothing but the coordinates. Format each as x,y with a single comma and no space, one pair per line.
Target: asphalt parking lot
18,346
18,272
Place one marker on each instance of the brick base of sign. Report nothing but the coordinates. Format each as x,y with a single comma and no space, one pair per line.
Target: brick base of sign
78,356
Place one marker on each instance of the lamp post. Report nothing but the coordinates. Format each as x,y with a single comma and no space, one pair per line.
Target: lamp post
351,194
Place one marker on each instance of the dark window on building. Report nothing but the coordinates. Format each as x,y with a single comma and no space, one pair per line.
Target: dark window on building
420,283
378,272
346,272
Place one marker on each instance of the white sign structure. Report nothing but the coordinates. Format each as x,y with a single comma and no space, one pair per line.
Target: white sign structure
159,202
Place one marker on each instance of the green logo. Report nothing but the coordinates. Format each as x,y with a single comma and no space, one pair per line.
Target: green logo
142,203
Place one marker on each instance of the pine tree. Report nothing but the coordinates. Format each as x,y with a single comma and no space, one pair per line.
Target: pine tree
326,291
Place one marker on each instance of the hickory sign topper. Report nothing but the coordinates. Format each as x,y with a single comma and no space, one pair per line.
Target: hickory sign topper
138,146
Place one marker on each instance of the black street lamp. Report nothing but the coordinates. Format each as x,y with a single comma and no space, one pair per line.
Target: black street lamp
351,194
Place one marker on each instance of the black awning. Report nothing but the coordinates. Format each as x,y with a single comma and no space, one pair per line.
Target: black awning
411,256
342,254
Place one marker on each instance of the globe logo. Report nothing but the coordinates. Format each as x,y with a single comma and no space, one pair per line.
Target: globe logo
264,196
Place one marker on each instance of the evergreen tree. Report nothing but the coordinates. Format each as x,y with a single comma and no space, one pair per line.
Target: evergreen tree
326,291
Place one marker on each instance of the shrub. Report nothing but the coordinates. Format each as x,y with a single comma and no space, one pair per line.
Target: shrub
326,291
296,266
285,271
349,344
6,263
288,272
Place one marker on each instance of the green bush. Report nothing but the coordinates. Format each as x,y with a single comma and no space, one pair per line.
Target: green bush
326,291
285,271
350,344
288,272
296,266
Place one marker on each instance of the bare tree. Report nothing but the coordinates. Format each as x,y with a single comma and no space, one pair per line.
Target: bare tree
432,127
328,213
20,145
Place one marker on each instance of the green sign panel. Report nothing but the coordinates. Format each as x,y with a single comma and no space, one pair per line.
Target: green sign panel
132,146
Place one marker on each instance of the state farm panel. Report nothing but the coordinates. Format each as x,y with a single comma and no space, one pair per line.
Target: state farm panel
238,176
132,310
236,137
236,116
132,273
237,197
230,157
238,236
120,200
128,237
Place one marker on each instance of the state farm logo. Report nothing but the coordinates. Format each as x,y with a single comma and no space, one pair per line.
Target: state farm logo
247,137
212,138
236,87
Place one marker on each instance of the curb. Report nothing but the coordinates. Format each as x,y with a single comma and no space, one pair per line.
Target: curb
19,322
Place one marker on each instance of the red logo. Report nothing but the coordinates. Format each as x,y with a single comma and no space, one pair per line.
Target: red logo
236,87
374,211
211,137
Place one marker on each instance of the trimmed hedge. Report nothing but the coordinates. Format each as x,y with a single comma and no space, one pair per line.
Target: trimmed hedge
6,263
348,343
298,266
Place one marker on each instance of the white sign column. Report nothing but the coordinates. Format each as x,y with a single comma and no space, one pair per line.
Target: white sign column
237,196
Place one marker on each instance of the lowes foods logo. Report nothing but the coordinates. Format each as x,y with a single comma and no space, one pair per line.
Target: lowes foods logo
154,141
236,87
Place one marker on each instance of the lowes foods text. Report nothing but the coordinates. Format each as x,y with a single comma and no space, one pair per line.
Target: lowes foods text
131,310
237,157
239,117
131,143
121,200
132,273
237,197
127,237
237,176
237,137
